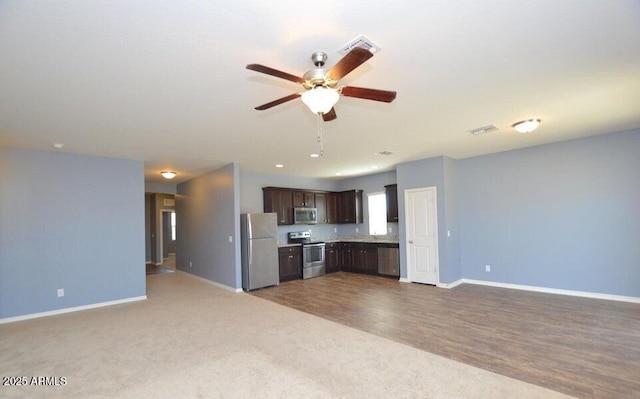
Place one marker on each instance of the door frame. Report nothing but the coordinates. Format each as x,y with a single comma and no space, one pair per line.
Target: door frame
160,234
406,229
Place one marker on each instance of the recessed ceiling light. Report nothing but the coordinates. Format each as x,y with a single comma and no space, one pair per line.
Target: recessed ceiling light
527,126
314,155
374,166
383,153
167,174
279,165
58,145
339,174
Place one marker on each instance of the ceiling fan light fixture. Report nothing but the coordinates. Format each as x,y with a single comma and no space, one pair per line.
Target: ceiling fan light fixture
527,126
168,174
320,99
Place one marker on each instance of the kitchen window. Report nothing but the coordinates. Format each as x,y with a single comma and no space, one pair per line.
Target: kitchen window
377,213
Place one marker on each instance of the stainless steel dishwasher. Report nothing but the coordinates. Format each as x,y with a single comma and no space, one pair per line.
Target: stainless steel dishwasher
389,260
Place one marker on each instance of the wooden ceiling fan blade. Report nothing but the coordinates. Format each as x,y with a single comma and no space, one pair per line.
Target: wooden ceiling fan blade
329,116
369,94
349,62
274,72
278,101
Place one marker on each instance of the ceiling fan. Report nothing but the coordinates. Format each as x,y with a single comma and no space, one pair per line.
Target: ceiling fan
321,85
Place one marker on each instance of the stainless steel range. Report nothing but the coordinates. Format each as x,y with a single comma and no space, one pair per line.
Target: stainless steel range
312,254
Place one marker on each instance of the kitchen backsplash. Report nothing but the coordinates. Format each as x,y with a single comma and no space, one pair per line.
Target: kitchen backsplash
336,232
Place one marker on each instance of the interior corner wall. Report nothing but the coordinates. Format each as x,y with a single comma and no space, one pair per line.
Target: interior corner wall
452,217
562,215
147,227
436,172
73,222
207,214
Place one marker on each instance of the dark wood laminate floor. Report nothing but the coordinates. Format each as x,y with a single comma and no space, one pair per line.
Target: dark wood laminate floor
584,347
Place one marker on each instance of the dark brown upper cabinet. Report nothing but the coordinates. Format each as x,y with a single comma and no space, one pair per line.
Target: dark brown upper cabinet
350,206
279,201
333,207
391,192
304,199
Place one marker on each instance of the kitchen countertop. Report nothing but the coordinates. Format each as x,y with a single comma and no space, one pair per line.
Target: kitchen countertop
368,240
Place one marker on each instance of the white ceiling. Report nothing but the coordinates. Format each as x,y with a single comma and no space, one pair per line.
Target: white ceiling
165,81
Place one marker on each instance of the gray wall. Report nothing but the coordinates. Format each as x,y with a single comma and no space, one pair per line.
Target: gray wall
148,243
160,188
439,172
73,222
562,215
207,213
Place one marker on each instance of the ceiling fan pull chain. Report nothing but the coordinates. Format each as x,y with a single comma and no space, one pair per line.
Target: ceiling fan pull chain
319,138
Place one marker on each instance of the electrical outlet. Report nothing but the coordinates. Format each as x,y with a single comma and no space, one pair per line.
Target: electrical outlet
60,292
230,239
390,229
335,229
190,264
357,230
448,233
487,268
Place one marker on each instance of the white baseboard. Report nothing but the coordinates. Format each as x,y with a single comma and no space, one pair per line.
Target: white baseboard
214,283
73,309
449,285
584,294
404,280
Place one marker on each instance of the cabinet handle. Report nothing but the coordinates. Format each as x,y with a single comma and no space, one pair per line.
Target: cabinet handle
290,256
410,241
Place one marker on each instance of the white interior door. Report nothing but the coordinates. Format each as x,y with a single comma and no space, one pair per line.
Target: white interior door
422,235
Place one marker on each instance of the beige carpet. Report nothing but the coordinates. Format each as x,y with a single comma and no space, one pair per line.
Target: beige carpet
193,340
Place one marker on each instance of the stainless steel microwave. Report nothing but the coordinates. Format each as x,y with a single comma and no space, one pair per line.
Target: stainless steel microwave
305,215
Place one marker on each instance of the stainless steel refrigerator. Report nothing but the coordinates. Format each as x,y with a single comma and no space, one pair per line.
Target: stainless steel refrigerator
259,240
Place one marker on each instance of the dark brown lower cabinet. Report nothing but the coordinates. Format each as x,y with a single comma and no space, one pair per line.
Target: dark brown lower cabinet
290,262
332,257
365,258
345,256
360,257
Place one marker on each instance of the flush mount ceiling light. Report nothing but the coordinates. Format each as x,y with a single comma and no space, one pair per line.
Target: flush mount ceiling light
168,174
527,126
321,99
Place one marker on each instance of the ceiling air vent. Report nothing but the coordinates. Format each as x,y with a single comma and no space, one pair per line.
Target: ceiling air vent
484,129
359,41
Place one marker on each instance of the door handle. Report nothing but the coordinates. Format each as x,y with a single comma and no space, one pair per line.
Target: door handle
410,241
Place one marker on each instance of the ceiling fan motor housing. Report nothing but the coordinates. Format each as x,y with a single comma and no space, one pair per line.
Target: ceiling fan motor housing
318,76
319,58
